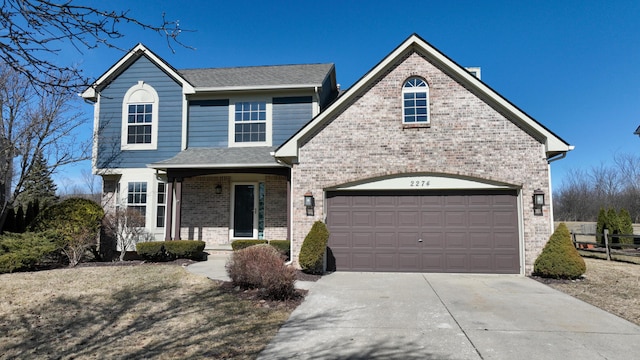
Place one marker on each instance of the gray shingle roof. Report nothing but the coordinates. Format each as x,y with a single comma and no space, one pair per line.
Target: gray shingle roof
277,75
220,158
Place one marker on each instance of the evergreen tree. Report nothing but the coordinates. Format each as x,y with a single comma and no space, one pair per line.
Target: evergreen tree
626,226
38,185
10,222
32,212
20,226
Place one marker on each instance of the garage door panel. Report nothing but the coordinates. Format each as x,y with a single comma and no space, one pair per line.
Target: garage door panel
410,261
432,218
480,240
433,262
433,231
340,239
455,218
433,240
362,240
385,218
480,219
408,240
456,240
456,262
408,218
385,240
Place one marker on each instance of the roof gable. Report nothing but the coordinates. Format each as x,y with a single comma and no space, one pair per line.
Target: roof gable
128,59
554,144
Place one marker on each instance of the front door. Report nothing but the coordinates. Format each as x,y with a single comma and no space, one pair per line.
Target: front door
244,211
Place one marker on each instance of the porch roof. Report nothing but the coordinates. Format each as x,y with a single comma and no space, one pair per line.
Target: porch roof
213,158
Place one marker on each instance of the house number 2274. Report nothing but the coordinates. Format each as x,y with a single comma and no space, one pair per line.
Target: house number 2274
419,183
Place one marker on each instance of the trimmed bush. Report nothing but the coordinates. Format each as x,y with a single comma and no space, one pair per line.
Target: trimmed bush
151,250
284,246
184,249
24,251
243,244
313,249
262,267
559,258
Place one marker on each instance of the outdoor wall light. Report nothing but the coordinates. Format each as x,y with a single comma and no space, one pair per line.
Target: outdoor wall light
218,189
538,202
309,202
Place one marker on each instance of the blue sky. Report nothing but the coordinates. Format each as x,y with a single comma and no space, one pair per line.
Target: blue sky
572,65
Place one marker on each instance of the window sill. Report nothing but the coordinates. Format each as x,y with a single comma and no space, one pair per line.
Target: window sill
416,126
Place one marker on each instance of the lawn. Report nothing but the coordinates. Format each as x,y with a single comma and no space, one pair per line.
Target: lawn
148,311
610,285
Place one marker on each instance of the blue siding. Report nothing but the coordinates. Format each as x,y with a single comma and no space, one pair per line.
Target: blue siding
289,115
169,117
208,123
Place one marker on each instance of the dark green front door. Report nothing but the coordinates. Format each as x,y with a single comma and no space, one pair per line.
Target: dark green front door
244,211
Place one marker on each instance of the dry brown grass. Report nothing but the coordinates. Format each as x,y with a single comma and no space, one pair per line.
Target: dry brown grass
610,285
159,312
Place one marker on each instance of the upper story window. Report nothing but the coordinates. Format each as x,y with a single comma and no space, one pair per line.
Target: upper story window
140,118
251,123
415,105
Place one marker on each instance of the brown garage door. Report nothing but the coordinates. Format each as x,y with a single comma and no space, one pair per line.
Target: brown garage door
445,231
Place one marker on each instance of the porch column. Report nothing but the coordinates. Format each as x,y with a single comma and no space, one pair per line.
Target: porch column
168,221
176,235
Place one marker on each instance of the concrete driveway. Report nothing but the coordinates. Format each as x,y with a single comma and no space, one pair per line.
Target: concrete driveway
442,316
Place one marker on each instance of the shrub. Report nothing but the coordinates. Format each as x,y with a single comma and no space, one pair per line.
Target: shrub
559,258
313,249
77,221
626,226
184,249
262,267
24,251
616,223
284,246
151,250
243,244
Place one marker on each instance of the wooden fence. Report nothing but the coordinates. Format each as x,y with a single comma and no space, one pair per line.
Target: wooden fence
608,245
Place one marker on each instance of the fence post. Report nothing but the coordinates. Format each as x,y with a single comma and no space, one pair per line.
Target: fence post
606,244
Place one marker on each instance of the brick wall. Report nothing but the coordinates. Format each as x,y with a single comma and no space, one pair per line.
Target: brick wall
467,138
275,208
205,214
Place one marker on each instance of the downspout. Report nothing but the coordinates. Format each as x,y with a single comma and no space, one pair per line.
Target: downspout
549,161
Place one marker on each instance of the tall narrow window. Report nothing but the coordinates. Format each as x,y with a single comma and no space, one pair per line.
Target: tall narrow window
137,197
415,97
140,118
162,198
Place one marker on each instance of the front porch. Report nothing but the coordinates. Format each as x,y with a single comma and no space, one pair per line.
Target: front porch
218,206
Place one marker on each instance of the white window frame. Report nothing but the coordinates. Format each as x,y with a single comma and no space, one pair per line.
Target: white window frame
144,204
415,90
140,93
232,122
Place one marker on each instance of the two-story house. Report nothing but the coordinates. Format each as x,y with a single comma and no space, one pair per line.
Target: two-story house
419,166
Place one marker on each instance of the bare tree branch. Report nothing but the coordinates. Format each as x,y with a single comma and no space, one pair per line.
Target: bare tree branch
32,30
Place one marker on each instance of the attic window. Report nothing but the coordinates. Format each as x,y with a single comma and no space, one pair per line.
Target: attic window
415,102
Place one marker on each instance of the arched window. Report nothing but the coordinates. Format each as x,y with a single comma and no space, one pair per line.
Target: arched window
415,101
140,118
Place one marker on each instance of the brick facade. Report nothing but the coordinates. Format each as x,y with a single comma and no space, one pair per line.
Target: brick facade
466,138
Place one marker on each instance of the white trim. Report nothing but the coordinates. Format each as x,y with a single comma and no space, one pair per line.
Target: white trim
422,182
185,121
268,122
255,210
96,136
416,90
521,243
553,144
141,93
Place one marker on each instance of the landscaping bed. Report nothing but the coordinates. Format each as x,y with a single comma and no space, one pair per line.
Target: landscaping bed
610,285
